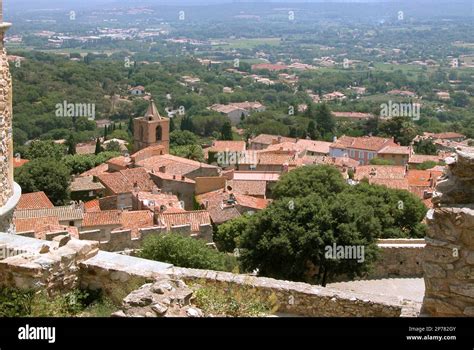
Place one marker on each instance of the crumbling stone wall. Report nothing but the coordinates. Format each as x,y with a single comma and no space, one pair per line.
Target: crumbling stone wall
449,252
6,149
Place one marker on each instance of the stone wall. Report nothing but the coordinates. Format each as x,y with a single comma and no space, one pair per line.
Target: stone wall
50,266
449,252
301,298
399,258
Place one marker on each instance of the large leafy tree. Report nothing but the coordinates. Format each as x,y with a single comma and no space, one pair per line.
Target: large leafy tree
323,180
292,244
45,174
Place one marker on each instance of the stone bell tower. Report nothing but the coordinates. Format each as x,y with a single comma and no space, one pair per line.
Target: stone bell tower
151,129
9,191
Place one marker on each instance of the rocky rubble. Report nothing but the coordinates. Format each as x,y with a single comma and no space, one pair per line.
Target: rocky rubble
163,298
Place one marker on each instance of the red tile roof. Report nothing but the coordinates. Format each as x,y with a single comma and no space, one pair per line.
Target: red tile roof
35,200
421,158
449,135
102,218
35,224
127,180
135,220
397,184
405,150
250,188
92,205
172,164
98,170
379,172
314,146
370,143
423,177
353,115
19,162
267,139
231,146
194,218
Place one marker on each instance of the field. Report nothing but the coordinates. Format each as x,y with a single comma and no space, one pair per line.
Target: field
249,43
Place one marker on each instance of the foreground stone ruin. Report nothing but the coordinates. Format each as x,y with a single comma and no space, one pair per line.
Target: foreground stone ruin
449,252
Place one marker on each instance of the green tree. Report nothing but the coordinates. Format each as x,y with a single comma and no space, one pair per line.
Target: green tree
48,175
98,147
227,234
425,147
429,164
312,131
71,145
113,146
182,138
325,121
293,244
226,132
401,128
45,149
380,161
185,252
193,152
324,180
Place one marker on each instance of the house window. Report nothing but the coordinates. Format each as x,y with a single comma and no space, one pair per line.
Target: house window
71,223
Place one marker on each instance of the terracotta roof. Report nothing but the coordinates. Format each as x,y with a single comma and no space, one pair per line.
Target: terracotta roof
370,143
172,164
421,158
135,220
92,205
256,176
397,184
314,146
65,213
34,224
221,210
35,200
157,200
250,188
275,158
271,139
98,170
396,150
127,180
379,172
172,177
19,162
231,146
120,161
85,183
102,218
423,177
194,218
148,152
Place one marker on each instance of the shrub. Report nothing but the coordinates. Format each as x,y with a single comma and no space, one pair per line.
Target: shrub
185,252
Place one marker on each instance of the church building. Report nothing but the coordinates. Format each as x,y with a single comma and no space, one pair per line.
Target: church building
151,129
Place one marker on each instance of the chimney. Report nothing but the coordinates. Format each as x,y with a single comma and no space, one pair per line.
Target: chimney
162,169
174,177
